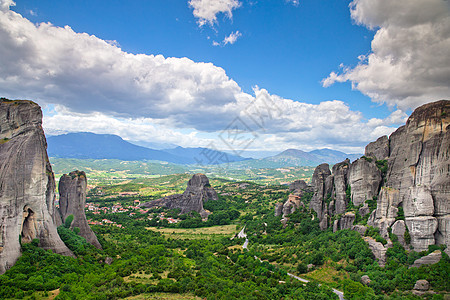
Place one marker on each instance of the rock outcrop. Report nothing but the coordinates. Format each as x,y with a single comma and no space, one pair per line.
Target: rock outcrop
364,178
27,194
340,178
379,149
378,250
297,189
72,200
409,176
430,259
418,168
345,222
197,192
322,191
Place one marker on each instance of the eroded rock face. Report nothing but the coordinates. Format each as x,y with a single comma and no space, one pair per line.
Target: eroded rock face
345,222
72,200
27,193
197,192
387,210
419,170
321,189
364,178
379,149
340,177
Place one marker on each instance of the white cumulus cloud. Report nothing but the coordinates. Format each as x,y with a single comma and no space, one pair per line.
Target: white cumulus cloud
409,64
97,87
206,11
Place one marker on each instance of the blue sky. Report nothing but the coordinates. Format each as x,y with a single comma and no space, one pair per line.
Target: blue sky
329,66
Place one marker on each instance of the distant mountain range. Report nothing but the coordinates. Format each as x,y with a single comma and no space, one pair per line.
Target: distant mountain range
85,145
295,158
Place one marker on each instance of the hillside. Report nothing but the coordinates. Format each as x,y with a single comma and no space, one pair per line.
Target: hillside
86,145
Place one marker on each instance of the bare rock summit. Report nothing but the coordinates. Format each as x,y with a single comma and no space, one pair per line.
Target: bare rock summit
27,194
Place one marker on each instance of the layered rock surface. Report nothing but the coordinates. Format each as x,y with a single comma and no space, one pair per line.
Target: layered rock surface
27,194
72,200
412,191
197,192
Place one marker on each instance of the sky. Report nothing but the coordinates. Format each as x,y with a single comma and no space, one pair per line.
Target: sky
227,74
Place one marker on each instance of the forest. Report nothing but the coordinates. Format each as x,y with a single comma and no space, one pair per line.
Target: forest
138,261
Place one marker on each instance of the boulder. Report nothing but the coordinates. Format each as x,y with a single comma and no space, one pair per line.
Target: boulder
27,195
422,285
364,178
365,280
430,259
72,200
379,149
378,250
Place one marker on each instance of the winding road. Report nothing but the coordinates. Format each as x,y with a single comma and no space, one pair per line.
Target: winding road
242,234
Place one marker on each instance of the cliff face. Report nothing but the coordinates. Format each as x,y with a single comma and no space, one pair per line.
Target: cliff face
72,200
198,190
27,184
418,169
416,180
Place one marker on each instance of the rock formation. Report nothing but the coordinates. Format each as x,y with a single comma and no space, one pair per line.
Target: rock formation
379,149
197,192
72,200
297,188
364,178
418,170
378,250
345,222
27,193
322,191
429,259
340,178
408,174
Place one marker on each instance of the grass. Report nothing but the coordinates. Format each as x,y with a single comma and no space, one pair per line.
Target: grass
327,274
197,233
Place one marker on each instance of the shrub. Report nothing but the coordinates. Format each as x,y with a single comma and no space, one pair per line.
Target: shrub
68,221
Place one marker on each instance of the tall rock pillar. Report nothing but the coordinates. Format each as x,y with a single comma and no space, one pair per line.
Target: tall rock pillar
72,200
27,184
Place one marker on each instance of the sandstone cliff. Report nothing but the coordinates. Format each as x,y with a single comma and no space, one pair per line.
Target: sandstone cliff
27,184
72,200
408,172
197,192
